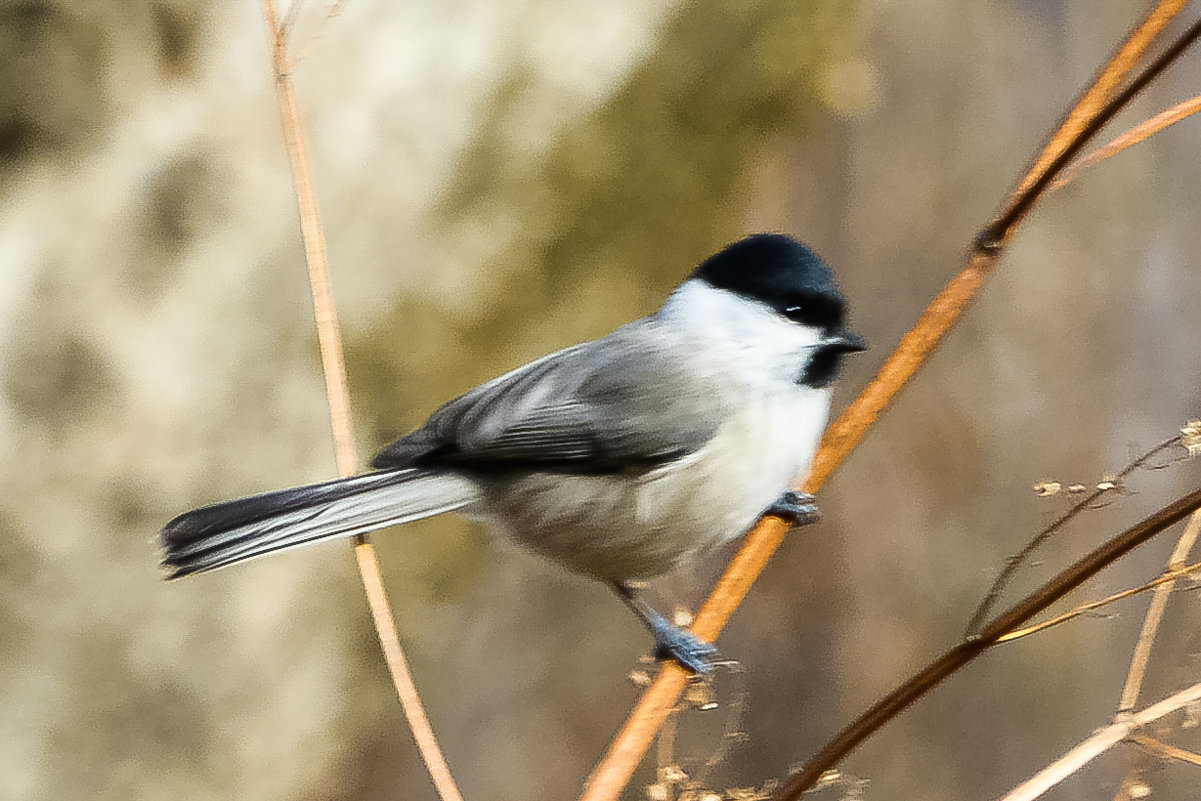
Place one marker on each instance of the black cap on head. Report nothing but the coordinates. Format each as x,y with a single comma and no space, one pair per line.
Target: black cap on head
780,272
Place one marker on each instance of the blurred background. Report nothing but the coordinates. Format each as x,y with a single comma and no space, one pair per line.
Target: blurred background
498,180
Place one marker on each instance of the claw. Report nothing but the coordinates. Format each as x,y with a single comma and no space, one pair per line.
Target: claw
692,653
798,508
671,642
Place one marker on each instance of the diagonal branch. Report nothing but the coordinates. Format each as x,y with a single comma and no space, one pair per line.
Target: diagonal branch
1100,742
1138,133
330,341
915,348
1158,584
1017,560
963,653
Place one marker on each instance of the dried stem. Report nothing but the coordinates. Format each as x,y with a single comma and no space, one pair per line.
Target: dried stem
1146,638
1103,86
330,341
1167,578
915,348
1166,751
1039,539
963,653
1132,137
1101,741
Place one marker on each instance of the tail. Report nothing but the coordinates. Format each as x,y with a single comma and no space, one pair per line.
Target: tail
224,533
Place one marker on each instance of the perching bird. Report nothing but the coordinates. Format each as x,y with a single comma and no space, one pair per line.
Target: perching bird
619,458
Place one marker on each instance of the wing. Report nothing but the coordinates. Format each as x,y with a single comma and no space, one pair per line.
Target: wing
620,403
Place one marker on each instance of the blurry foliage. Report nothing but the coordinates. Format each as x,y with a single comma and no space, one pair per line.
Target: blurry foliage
57,59
631,196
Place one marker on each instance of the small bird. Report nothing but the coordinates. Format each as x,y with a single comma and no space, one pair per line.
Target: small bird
620,458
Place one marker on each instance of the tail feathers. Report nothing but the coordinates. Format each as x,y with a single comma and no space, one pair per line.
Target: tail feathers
224,533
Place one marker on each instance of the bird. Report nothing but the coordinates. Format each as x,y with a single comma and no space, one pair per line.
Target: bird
621,458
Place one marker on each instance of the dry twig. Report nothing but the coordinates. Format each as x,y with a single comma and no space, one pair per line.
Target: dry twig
1158,583
338,397
1017,560
1138,133
1146,637
1099,743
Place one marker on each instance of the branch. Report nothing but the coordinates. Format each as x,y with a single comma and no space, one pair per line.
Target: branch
1138,133
915,348
1158,583
963,653
1099,743
1014,562
338,396
1146,638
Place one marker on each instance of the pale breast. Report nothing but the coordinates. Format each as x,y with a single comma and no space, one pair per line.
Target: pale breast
643,525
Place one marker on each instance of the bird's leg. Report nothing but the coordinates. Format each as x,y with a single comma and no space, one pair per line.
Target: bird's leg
798,508
671,641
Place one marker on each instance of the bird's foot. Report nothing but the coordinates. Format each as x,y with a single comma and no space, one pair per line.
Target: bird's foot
798,508
689,651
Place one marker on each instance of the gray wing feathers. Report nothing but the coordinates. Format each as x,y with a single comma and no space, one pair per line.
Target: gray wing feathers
618,403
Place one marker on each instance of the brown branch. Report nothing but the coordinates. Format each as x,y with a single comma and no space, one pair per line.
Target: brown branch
1146,638
1097,744
963,653
1166,751
630,745
1138,133
338,396
1102,87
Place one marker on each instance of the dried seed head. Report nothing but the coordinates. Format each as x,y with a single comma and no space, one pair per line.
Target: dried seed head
657,792
681,616
639,678
700,695
1077,489
1191,437
1046,489
672,774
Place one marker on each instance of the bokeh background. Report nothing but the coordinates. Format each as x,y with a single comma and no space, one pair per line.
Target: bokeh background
500,179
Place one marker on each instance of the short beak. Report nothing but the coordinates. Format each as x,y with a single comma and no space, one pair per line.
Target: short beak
846,341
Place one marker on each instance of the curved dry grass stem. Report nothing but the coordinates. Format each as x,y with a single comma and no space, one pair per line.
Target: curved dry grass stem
629,746
1138,133
330,340
1102,87
1146,638
966,651
1001,582
1157,583
1100,742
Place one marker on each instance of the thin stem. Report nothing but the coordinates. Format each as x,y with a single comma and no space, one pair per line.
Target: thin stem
338,396
1166,751
1017,560
1138,133
1146,638
1156,583
1102,87
963,653
1099,743
1159,602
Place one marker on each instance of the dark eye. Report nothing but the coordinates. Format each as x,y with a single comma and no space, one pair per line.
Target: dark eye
813,310
795,313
